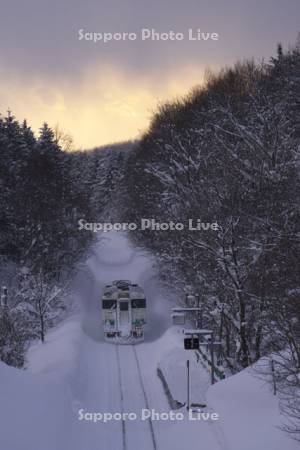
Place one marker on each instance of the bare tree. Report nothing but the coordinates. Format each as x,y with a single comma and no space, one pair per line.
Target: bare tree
63,139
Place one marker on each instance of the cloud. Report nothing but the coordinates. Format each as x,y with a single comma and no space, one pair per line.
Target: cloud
106,92
105,105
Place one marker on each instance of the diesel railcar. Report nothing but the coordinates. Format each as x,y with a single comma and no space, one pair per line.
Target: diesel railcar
123,312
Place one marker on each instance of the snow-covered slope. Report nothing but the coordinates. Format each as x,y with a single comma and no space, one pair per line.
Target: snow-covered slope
250,413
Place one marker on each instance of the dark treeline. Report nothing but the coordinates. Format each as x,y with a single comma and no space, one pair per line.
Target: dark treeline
229,153
40,200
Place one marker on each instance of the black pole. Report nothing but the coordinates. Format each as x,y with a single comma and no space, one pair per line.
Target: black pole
212,357
273,377
199,324
188,385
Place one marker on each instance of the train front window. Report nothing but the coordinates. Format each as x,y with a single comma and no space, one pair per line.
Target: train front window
123,306
109,304
138,303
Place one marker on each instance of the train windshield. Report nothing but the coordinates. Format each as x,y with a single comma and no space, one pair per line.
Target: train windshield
109,304
138,303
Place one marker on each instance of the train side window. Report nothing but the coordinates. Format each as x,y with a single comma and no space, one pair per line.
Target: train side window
138,303
109,304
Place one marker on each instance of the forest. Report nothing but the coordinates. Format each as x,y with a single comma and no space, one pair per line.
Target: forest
229,153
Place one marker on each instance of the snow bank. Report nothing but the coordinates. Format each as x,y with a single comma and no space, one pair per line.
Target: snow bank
37,404
250,416
33,411
58,356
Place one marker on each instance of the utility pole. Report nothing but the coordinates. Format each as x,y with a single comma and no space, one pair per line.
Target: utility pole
212,357
273,377
188,385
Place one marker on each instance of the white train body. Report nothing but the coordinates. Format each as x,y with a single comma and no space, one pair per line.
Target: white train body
123,312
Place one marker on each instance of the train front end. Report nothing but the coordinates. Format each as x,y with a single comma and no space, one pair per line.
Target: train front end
123,312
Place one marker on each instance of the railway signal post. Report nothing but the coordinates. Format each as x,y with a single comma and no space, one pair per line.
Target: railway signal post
194,338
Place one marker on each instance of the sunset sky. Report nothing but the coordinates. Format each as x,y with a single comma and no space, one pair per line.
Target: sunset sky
106,92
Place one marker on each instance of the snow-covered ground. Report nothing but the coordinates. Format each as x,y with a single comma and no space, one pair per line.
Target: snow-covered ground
77,370
250,413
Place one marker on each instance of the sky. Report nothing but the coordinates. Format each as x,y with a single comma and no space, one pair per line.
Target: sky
107,92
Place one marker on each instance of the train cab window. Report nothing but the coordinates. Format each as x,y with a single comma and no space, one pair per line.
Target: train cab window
138,303
123,306
109,304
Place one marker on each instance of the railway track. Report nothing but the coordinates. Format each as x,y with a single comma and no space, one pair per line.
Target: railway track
133,398
145,397
124,440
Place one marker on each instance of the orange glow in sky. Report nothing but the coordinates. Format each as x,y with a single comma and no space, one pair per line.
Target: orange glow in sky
103,106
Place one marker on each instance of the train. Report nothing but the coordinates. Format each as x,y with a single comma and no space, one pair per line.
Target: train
123,312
